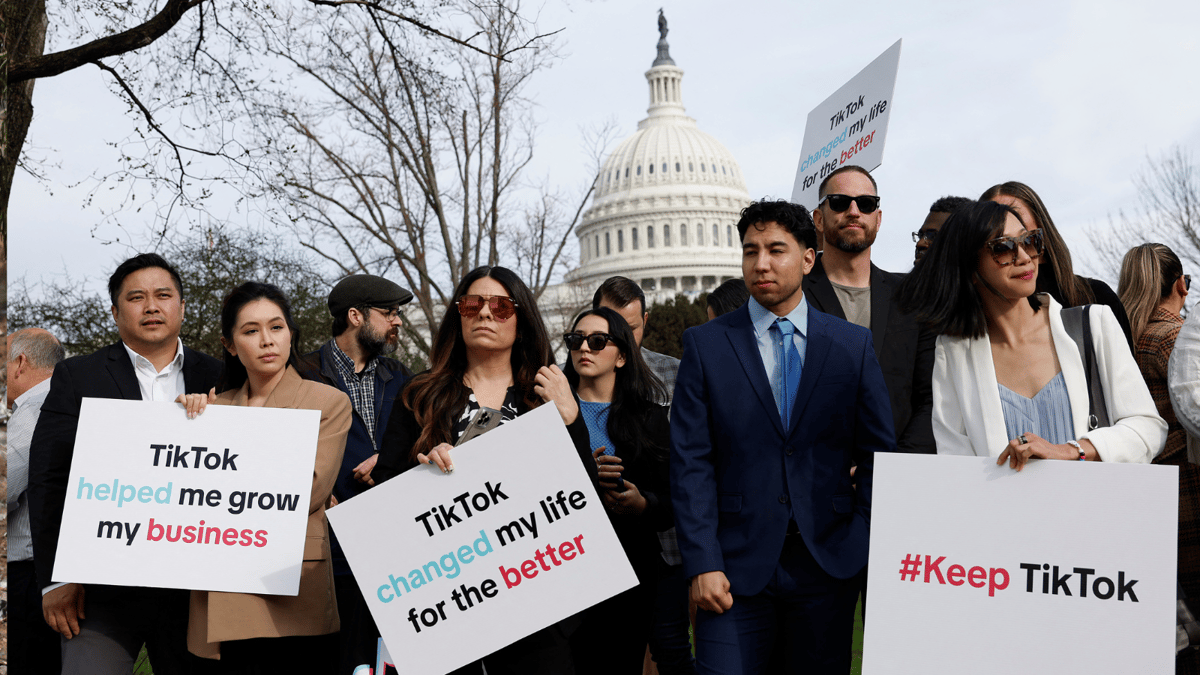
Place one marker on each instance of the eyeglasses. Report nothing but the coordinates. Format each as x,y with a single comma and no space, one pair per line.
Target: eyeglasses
924,234
502,307
1006,247
389,313
839,203
595,342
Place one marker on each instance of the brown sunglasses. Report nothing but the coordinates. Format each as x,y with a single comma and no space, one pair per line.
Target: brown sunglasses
502,307
1004,249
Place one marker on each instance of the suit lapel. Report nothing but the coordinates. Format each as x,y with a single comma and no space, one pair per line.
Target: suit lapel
881,303
193,375
819,292
745,346
815,350
121,370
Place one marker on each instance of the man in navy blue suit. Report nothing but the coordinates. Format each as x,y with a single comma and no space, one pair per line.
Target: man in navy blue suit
775,402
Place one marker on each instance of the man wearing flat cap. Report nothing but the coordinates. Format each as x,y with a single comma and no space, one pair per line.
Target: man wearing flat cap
366,327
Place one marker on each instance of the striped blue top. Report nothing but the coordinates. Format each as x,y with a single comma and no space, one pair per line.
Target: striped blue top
595,416
1047,414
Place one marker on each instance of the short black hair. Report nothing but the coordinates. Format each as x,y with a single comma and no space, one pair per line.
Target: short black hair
791,217
139,262
727,297
940,290
620,291
949,204
843,169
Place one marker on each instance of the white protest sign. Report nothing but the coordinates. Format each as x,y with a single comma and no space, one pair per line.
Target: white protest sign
849,127
217,503
454,567
1065,567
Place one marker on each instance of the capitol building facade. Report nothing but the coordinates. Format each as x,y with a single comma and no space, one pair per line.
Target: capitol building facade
667,202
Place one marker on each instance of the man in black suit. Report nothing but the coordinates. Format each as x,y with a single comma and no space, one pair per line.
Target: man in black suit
845,284
104,627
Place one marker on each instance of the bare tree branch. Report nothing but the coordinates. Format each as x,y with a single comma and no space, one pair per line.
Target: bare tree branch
49,65
1168,212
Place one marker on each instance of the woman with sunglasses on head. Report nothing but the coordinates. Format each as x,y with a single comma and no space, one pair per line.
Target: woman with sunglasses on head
1008,380
492,351
630,437
245,633
1055,273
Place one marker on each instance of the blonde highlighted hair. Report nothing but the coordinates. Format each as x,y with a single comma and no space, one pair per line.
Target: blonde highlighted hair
1147,274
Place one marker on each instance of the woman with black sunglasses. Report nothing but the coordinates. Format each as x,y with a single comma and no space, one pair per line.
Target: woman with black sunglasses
490,351
1008,379
630,438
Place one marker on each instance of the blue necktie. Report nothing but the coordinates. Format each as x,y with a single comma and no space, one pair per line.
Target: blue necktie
789,369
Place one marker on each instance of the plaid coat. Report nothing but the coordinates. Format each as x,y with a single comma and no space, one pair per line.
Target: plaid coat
1153,351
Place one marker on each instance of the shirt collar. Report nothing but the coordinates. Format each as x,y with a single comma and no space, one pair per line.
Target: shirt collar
347,363
31,392
762,318
140,361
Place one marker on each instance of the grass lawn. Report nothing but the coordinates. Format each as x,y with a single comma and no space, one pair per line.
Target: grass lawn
856,649
142,665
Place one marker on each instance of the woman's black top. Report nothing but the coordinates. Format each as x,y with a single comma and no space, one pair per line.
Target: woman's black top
648,470
1048,283
395,450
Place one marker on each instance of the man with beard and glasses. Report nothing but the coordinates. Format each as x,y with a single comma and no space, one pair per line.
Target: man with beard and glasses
366,327
845,284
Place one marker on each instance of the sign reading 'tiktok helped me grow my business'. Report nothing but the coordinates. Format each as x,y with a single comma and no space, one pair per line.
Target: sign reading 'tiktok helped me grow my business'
217,503
454,567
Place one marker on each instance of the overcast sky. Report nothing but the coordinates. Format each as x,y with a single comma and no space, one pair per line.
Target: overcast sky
1067,97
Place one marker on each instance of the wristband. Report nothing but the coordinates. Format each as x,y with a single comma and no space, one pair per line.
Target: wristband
1082,454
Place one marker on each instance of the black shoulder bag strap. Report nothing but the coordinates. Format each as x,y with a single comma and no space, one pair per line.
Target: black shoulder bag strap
1079,326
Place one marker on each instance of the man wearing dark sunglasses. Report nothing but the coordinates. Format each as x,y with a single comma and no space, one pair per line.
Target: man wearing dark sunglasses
845,284
366,328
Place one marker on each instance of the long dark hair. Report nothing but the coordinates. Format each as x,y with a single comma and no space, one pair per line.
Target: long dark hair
1056,260
233,375
636,390
941,290
438,395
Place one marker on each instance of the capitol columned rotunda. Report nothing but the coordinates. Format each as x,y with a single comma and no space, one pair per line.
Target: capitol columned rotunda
667,201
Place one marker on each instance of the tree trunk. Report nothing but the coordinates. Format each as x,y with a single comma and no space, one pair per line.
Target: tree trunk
23,30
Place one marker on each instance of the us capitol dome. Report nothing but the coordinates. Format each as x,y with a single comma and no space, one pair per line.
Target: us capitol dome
667,201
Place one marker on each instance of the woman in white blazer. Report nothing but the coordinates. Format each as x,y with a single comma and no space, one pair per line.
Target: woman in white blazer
1005,366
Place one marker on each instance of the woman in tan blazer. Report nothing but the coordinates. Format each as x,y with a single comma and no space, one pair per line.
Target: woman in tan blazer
252,633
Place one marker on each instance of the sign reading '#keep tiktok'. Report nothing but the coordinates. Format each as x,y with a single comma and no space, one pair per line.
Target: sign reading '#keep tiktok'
454,567
216,503
1064,567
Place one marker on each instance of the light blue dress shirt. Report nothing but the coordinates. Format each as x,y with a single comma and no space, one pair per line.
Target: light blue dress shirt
770,346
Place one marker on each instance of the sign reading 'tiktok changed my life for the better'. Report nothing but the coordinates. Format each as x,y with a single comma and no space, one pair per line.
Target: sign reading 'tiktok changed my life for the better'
849,127
454,567
216,503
